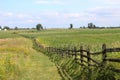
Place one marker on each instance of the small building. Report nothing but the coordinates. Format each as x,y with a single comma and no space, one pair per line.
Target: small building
0,29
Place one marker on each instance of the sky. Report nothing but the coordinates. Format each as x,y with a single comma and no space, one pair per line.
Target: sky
59,13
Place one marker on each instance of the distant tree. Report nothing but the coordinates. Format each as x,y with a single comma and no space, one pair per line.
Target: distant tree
83,27
16,28
71,26
39,27
33,28
0,27
6,27
91,25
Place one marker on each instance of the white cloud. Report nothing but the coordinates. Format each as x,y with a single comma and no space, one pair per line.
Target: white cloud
49,2
113,2
22,15
105,11
8,14
72,15
105,15
108,2
51,13
30,21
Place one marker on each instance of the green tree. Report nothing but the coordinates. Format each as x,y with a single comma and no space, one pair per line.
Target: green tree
6,27
91,25
39,27
71,26
0,27
16,28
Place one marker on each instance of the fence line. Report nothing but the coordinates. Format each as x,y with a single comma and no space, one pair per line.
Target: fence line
81,54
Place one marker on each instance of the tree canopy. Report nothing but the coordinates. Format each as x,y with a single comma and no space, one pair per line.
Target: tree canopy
39,27
71,26
91,25
6,27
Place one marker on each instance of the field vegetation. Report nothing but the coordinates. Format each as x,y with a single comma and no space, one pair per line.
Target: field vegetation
70,38
19,61
76,37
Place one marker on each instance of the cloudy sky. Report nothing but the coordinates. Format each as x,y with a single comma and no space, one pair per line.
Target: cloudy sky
59,13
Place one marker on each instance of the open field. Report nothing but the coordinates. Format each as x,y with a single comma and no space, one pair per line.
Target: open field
19,61
25,63
92,38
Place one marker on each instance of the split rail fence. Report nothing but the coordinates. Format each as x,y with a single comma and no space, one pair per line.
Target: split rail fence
83,57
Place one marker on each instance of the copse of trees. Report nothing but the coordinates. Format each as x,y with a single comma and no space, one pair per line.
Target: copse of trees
16,28
0,27
71,26
91,25
39,27
6,27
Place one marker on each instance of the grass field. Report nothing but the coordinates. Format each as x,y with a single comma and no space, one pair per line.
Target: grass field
19,61
25,63
92,38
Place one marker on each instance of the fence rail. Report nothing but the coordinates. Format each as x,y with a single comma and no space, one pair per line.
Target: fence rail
85,54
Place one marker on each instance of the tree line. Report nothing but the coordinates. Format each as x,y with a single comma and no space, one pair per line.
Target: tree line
93,26
40,27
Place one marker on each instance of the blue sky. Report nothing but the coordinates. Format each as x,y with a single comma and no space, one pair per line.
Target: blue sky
59,13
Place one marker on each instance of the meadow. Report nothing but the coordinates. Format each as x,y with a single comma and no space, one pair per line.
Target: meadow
25,63
94,38
70,38
19,61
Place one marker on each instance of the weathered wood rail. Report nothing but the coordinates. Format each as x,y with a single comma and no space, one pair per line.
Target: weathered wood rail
84,57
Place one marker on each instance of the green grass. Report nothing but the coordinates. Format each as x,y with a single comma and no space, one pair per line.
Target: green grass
19,61
8,34
93,38
33,63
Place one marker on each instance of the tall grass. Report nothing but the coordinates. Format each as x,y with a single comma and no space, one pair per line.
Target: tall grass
19,61
8,34
76,37
11,55
92,38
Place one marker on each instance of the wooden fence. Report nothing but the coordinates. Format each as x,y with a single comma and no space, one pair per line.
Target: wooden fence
84,57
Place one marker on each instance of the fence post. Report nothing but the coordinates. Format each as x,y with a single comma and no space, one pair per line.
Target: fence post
88,56
59,51
104,54
51,49
81,54
75,53
47,49
69,53
62,52
56,51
